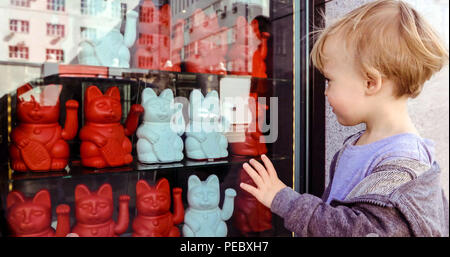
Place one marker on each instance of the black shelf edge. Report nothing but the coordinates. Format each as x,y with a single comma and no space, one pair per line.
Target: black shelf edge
75,170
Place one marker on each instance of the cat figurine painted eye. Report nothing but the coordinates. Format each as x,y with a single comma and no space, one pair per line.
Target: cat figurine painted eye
159,136
204,133
94,212
154,218
32,217
104,141
39,142
203,217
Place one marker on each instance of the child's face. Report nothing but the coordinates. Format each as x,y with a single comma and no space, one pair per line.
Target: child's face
345,89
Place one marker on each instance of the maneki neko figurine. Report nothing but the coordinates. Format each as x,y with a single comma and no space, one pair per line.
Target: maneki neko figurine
113,49
159,136
32,217
250,216
94,212
243,49
104,141
204,132
203,217
154,218
208,44
254,144
39,142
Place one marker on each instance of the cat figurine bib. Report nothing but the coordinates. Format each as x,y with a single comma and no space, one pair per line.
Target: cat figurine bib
94,212
204,133
159,140
203,217
105,141
154,218
32,217
39,142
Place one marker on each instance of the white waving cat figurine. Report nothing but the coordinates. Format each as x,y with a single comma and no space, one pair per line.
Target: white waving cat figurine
159,135
204,133
203,217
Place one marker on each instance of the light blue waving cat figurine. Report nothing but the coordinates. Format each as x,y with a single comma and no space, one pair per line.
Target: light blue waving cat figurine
159,134
203,217
204,133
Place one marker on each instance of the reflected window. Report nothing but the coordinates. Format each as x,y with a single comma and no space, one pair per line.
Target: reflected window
88,33
56,5
22,3
56,55
18,52
123,10
56,30
87,7
19,26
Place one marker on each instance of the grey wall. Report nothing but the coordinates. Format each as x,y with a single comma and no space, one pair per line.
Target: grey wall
429,111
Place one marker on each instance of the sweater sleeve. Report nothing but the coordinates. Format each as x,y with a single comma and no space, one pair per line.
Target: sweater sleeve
308,215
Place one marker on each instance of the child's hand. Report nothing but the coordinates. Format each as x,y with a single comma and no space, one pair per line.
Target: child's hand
266,179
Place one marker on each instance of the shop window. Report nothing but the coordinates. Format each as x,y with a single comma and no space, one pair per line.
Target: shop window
19,26
22,3
54,55
18,52
56,5
55,30
88,33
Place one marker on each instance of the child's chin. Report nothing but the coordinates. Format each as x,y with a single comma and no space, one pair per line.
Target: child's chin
345,122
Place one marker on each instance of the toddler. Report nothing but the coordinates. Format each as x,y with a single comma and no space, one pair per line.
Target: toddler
384,181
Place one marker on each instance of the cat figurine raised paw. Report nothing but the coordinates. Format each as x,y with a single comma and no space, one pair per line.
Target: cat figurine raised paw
204,133
104,141
154,218
159,135
32,217
94,212
39,142
203,217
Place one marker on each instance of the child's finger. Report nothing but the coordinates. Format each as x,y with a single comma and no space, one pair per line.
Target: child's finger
270,168
260,168
253,174
251,189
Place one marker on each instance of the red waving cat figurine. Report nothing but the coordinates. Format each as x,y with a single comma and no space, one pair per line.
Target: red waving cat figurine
39,142
94,212
104,139
31,217
154,218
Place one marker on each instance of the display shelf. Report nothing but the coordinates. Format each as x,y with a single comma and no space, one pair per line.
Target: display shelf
52,70
75,170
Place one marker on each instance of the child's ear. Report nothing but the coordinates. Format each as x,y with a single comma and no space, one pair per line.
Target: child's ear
373,83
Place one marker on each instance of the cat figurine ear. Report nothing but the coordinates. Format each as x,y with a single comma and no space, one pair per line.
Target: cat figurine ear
147,94
193,181
13,198
163,185
167,93
213,181
142,187
106,191
43,198
81,191
91,93
113,92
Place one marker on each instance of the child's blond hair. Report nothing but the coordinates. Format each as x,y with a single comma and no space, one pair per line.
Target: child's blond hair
388,38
